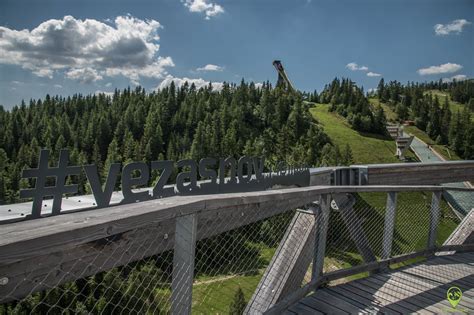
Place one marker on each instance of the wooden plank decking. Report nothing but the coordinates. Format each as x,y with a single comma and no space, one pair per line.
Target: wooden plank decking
419,288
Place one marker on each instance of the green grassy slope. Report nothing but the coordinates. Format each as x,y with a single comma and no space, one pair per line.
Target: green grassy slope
366,148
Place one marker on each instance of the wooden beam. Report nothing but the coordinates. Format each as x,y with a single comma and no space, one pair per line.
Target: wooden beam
354,226
322,217
288,266
434,218
183,264
389,224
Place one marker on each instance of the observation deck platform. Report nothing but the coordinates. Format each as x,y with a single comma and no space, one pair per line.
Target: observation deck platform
419,288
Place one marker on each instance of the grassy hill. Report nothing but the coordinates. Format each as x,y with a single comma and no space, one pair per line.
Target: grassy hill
366,148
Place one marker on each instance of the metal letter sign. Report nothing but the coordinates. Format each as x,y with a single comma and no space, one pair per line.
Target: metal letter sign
216,176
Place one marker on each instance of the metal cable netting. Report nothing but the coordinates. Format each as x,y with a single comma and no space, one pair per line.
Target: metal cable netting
244,261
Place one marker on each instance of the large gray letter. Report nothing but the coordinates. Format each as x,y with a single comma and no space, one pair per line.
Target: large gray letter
128,181
208,187
102,197
191,175
159,191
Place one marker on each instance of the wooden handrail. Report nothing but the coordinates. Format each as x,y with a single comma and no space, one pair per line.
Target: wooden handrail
25,239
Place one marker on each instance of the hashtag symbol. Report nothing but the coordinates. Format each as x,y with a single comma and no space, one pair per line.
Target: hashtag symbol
41,174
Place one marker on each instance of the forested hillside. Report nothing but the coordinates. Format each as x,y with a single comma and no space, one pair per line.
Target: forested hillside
349,101
172,123
435,115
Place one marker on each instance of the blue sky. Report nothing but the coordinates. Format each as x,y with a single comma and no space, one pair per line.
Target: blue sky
66,47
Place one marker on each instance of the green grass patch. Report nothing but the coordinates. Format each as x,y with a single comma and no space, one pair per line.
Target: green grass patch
366,147
215,297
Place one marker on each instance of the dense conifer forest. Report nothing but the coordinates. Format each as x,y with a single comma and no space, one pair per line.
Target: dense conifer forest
172,123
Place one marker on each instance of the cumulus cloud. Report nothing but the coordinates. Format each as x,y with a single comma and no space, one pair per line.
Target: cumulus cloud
373,74
87,50
85,75
203,6
355,67
444,68
210,67
458,77
199,83
455,27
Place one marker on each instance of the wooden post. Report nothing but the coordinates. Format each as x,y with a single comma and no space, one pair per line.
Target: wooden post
389,225
289,264
434,218
322,221
183,264
346,203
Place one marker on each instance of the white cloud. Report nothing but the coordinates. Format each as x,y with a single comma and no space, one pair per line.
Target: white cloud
127,47
444,68
203,6
372,90
210,67
58,86
44,73
373,74
458,77
85,75
199,83
355,67
109,84
455,26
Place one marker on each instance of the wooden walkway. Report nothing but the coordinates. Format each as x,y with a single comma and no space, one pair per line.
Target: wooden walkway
419,288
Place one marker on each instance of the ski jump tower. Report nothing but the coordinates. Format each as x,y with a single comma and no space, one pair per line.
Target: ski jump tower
283,80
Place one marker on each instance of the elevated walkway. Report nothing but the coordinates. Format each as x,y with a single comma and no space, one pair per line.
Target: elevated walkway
419,288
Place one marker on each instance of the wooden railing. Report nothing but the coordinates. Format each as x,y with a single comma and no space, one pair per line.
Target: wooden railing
31,249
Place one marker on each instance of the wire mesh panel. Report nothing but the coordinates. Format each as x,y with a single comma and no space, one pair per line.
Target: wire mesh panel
358,222
236,259
114,275
230,265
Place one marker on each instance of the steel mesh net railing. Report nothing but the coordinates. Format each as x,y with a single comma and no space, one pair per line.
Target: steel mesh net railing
132,273
114,275
245,260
